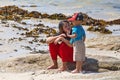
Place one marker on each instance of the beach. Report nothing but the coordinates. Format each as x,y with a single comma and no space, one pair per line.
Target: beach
33,67
24,27
22,60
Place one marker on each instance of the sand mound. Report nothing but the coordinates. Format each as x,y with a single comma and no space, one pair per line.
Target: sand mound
28,63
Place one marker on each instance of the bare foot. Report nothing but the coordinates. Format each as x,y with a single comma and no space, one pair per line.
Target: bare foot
75,71
62,69
52,67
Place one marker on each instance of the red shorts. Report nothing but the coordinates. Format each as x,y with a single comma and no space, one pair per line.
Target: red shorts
62,50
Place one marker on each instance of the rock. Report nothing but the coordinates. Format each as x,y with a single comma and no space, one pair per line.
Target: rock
11,10
71,65
24,23
20,28
33,33
17,14
24,6
91,28
15,50
17,18
40,30
33,5
91,64
117,21
105,62
27,47
34,14
39,25
1,17
57,16
43,41
98,64
45,15
99,29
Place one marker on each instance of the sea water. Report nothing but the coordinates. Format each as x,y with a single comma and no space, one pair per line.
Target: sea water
100,9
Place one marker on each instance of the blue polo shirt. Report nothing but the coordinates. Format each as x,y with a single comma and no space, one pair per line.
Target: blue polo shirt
79,31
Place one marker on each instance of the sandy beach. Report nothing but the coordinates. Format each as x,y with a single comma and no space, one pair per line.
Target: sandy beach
24,54
33,67
31,64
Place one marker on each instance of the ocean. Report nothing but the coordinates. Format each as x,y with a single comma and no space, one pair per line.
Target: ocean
99,9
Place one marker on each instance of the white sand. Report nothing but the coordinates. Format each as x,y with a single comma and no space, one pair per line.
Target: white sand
42,74
60,76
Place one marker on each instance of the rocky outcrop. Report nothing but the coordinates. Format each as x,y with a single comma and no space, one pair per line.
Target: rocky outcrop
57,16
117,21
8,12
41,29
109,63
91,64
17,14
34,14
98,63
12,13
99,29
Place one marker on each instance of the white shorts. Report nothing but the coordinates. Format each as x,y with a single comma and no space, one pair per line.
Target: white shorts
79,51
